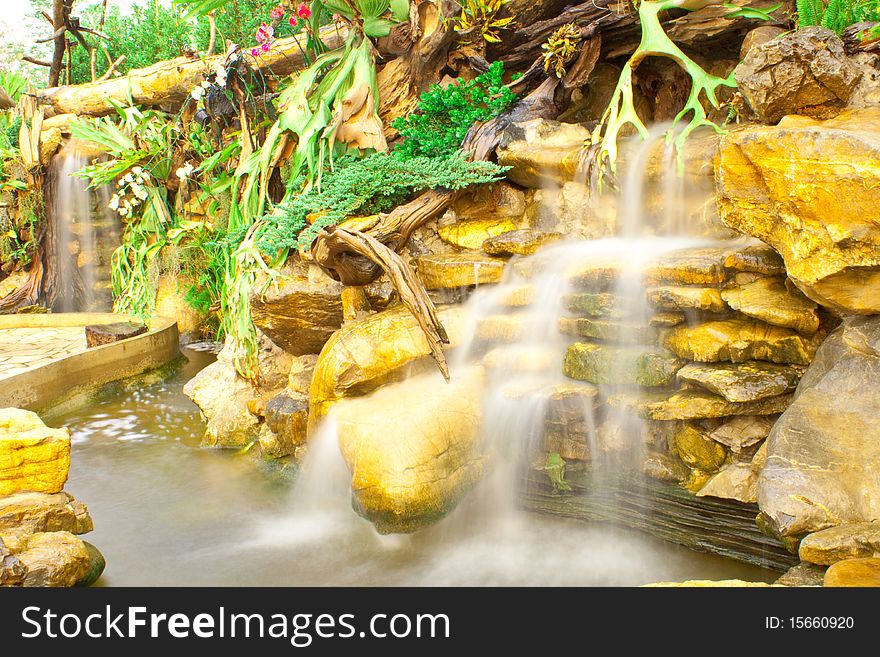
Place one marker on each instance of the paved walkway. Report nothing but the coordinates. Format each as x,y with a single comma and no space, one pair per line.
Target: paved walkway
23,349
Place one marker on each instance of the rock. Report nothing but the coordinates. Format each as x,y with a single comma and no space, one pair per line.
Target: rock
699,404
452,270
756,259
33,457
676,297
471,234
804,574
541,152
499,200
302,368
505,358
854,540
758,37
610,330
524,242
30,513
287,417
603,364
99,334
695,449
12,282
50,142
12,570
769,299
743,431
97,564
368,353
854,572
810,190
822,453
229,403
742,382
595,304
171,302
703,266
738,340
413,448
804,72
659,465
735,481
302,313
55,559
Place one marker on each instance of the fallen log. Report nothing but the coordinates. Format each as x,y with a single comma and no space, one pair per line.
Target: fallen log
169,83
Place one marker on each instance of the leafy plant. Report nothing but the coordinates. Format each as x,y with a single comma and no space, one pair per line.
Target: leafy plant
13,84
444,115
479,18
560,47
836,15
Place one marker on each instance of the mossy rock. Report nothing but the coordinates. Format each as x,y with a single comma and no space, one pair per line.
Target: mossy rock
604,364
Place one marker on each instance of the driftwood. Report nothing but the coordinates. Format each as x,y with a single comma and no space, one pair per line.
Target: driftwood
861,37
169,83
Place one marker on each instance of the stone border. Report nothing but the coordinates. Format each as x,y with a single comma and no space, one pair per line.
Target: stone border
71,375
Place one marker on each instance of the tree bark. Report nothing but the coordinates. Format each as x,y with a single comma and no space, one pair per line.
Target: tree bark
60,10
169,83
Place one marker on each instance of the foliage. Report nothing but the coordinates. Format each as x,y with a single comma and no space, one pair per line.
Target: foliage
836,15
18,234
444,115
13,84
560,47
480,18
367,186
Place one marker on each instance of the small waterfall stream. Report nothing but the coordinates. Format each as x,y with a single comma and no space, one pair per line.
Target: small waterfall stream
85,232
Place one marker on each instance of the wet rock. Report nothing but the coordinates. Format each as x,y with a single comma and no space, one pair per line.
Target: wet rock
29,513
408,477
740,339
854,540
453,270
695,449
822,453
595,304
609,330
804,574
541,152
50,142
603,364
536,360
756,259
524,242
55,559
710,583
674,297
810,190
33,457
804,72
742,382
770,300
661,466
302,368
287,417
570,447
854,572
229,403
370,352
704,266
471,234
693,404
743,431
302,313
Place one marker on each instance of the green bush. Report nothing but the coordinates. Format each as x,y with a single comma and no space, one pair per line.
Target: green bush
837,15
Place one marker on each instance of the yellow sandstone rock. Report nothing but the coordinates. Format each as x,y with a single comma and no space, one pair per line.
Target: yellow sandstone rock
769,299
413,448
854,572
33,457
451,270
810,189
471,234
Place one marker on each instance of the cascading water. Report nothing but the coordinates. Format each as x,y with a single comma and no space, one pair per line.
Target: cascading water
84,232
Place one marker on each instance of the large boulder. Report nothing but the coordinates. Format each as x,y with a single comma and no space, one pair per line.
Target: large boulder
57,559
373,351
33,457
413,448
823,452
541,153
811,190
804,72
29,513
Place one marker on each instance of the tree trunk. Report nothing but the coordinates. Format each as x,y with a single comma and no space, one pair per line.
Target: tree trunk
60,9
169,83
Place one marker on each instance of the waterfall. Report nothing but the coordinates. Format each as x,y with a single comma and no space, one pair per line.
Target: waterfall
85,231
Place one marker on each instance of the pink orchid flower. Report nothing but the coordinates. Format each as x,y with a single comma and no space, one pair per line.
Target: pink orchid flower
276,13
303,11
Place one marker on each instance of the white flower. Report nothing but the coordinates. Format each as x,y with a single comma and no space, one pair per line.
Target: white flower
137,170
121,212
141,194
139,180
128,178
185,170
135,202
206,85
120,182
114,202
197,93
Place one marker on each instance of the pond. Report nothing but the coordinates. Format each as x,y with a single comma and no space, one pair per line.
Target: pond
168,513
